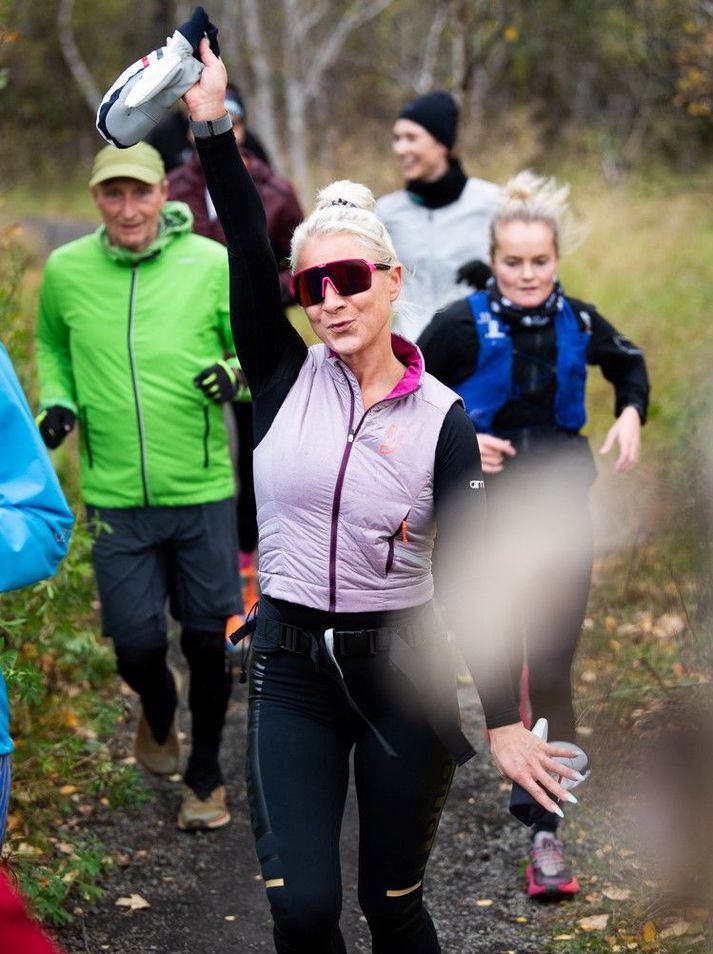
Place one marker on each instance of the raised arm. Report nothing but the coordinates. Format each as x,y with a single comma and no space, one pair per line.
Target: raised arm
270,351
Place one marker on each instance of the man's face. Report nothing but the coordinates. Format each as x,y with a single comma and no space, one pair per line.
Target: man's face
130,210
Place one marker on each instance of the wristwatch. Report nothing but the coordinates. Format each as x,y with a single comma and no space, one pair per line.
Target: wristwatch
204,129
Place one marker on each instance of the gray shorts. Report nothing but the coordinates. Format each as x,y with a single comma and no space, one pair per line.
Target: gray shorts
144,556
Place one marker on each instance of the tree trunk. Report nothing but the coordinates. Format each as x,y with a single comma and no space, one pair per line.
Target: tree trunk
73,58
264,115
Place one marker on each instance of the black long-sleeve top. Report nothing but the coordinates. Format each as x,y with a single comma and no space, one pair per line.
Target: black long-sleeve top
272,353
451,347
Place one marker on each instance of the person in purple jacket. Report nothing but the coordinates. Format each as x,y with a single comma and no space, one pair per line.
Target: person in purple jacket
358,453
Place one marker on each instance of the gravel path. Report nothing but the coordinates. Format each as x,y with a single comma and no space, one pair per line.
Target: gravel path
205,891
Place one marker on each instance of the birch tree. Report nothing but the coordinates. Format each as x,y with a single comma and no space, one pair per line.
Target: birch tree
312,34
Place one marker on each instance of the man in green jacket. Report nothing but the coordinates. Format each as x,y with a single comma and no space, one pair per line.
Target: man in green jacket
134,344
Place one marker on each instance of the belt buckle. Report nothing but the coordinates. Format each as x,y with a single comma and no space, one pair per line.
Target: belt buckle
355,642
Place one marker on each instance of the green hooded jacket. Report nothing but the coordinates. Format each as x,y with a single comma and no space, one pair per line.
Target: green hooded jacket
120,337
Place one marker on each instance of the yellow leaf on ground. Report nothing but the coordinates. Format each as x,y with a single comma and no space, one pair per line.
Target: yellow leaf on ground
134,902
649,932
563,937
596,922
675,930
483,902
68,789
616,894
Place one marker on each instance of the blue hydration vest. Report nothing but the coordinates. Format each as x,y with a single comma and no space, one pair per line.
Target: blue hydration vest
490,386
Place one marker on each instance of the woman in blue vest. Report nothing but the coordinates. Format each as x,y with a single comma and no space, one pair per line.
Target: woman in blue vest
517,353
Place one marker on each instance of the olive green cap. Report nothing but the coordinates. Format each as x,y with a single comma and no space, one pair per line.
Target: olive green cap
141,162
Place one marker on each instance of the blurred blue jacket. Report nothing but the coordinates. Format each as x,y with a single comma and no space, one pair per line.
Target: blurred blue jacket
35,520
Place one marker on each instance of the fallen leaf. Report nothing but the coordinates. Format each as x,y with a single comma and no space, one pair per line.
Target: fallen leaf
649,932
230,917
483,902
616,894
521,919
134,902
563,937
68,789
596,922
588,676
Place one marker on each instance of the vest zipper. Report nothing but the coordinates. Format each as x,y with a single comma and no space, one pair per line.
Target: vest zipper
135,384
337,498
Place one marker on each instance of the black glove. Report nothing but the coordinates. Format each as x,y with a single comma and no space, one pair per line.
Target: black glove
474,273
55,423
220,382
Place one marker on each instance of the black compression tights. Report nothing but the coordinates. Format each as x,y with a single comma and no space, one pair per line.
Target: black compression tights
144,668
300,735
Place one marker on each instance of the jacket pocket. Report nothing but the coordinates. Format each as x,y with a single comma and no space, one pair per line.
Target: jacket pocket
401,533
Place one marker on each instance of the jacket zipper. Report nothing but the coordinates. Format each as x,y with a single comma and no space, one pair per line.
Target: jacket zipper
84,420
206,436
135,384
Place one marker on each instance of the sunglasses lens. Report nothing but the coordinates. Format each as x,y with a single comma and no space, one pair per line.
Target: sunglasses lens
348,278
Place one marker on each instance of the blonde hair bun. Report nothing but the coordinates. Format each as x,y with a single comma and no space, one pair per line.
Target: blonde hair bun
347,193
531,198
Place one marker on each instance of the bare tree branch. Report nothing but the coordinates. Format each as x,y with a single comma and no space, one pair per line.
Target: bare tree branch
358,14
73,58
424,81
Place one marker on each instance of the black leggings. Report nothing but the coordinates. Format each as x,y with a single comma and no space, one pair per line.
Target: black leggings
301,730
144,668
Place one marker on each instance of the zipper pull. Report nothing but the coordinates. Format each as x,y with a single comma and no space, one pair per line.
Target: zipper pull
350,437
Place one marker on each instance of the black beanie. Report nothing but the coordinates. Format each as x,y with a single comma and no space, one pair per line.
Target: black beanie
437,112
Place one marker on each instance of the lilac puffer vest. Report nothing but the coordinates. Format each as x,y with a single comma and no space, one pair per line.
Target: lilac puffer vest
344,496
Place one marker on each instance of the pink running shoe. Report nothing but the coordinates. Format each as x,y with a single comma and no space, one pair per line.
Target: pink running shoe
548,875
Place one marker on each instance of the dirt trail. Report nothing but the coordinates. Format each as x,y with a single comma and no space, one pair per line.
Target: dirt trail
205,892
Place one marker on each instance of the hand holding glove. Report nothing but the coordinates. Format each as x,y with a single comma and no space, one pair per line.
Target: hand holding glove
220,382
55,423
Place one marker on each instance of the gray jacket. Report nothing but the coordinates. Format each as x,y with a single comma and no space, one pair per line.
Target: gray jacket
432,244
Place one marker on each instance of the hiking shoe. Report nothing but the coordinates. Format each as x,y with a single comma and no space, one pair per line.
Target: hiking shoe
547,874
203,814
159,759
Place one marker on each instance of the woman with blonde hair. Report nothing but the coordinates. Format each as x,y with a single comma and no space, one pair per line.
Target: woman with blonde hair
356,449
517,354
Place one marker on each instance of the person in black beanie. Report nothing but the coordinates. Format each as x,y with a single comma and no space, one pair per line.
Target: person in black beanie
439,221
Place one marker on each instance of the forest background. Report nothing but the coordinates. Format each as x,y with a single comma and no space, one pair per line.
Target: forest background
615,97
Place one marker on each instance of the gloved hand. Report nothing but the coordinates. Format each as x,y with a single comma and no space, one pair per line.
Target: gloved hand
474,273
220,382
55,423
142,96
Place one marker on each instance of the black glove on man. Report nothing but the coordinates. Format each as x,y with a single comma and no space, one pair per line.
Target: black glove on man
474,273
220,382
55,423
